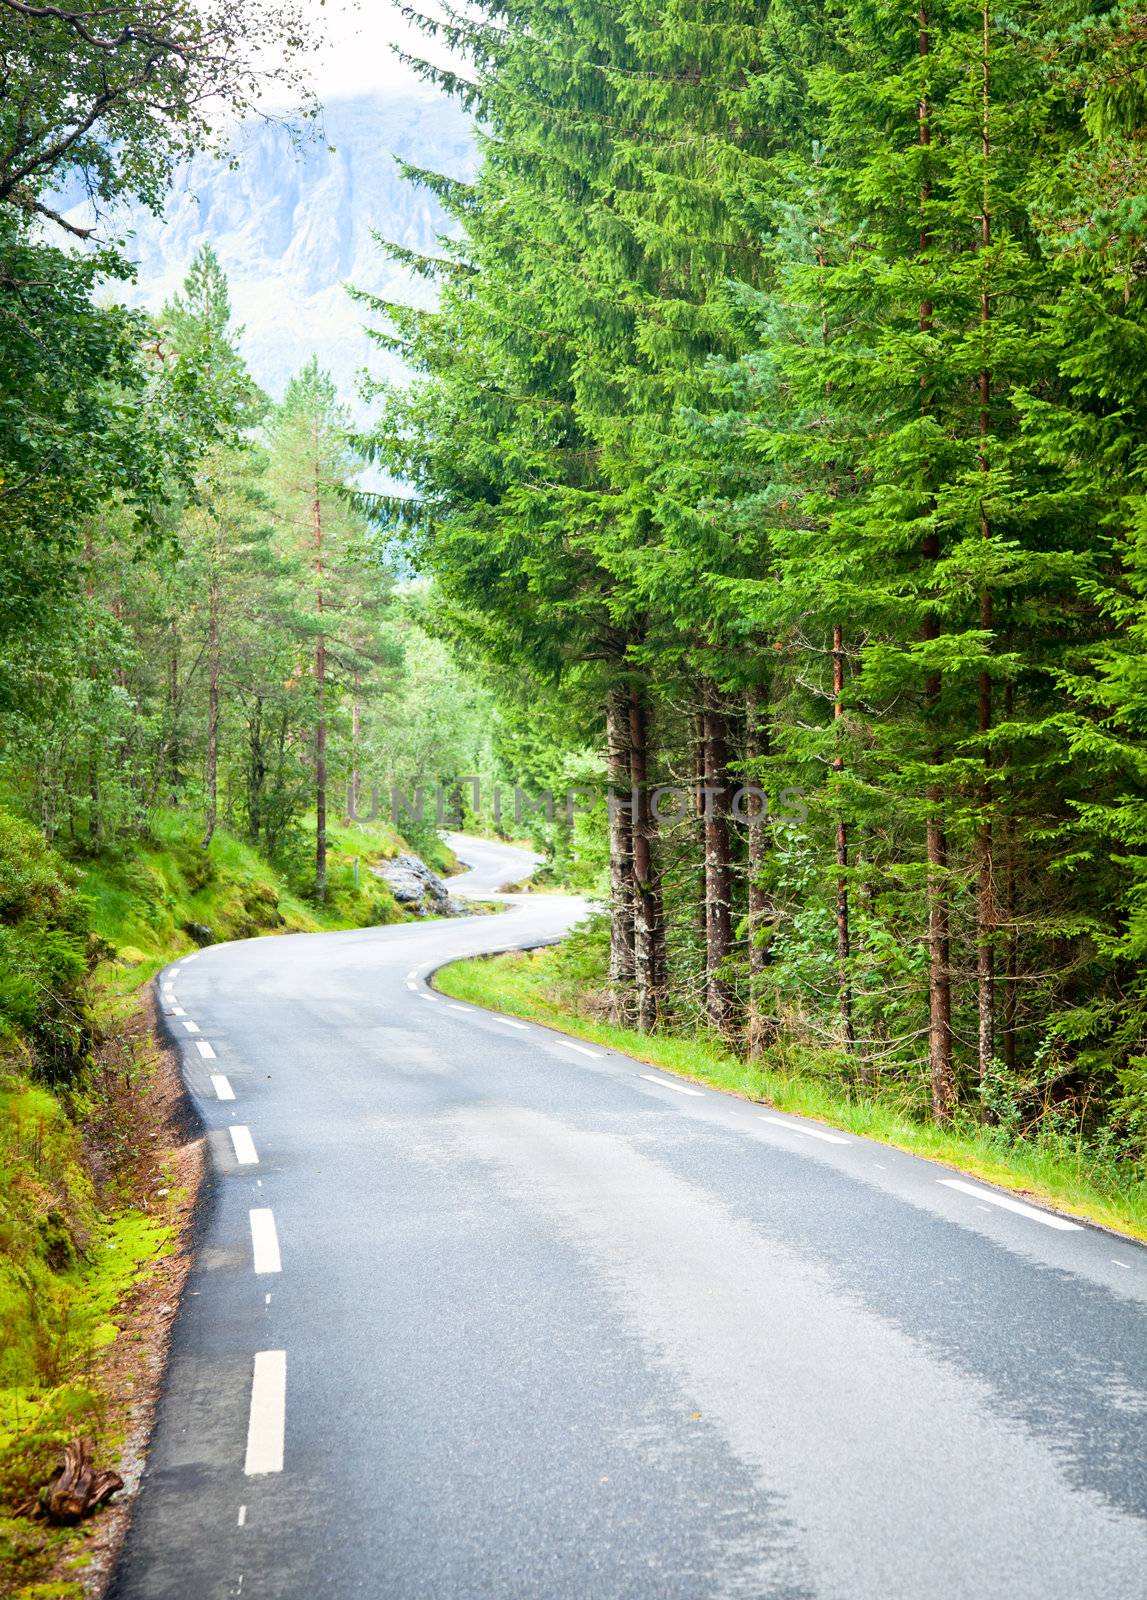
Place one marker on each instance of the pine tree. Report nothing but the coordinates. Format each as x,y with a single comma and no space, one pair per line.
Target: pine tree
220,393
311,470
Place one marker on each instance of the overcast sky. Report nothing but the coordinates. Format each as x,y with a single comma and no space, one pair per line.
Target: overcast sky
359,57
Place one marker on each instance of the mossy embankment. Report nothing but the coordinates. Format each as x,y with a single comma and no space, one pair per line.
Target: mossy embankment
563,987
94,1167
151,899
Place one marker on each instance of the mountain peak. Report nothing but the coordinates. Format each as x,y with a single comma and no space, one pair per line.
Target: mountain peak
293,222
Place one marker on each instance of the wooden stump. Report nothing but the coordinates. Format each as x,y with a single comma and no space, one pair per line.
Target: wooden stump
75,1488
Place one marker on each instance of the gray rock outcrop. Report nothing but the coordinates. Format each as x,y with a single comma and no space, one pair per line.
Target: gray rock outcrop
416,888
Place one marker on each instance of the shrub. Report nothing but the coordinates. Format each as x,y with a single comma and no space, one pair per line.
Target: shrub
46,949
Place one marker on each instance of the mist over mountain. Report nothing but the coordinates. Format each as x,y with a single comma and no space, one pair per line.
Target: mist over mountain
293,226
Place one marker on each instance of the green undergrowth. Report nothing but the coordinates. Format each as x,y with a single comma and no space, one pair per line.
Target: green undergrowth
1068,1175
155,898
80,1224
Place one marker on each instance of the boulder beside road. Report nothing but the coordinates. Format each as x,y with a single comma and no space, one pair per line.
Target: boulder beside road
417,888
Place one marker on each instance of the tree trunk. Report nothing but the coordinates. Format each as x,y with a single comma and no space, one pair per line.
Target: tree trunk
95,803
274,823
762,1025
701,767
211,783
648,931
985,893
321,712
985,889
719,995
939,968
355,739
174,752
256,771
1011,916
843,939
1011,986
621,907
76,1489
941,1073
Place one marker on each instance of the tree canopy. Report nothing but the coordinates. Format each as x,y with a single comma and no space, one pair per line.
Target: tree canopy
779,420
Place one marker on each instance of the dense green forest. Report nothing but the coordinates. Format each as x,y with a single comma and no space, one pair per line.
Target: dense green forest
234,647
772,459
781,422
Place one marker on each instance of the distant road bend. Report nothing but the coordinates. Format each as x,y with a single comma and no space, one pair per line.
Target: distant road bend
482,1311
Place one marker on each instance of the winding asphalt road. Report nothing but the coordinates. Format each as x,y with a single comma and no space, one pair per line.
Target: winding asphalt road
479,1311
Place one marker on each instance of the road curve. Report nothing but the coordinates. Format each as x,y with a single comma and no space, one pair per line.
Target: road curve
479,1311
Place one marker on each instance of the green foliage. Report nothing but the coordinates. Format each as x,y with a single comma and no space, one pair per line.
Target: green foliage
781,417
144,897
45,953
187,679
123,93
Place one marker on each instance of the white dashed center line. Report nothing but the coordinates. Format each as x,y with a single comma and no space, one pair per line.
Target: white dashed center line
242,1515
267,1423
223,1089
807,1133
244,1146
412,986
265,1241
665,1084
205,1050
595,1055
1126,1265
1006,1204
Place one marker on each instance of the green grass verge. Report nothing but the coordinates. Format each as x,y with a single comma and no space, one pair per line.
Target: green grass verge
1070,1177
146,897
